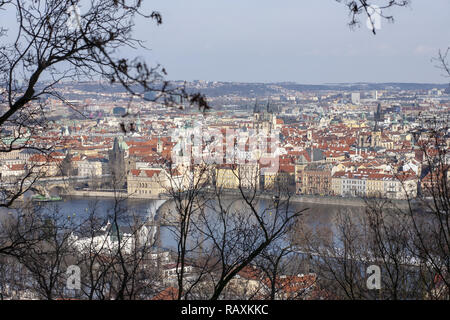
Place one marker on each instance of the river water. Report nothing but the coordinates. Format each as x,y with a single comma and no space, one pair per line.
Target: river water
77,209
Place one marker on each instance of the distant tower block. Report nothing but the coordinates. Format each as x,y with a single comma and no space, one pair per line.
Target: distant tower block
356,97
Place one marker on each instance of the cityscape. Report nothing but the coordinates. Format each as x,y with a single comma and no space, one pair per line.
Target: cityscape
330,142
118,184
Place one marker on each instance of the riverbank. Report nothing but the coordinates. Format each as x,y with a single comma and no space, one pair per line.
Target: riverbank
327,200
96,194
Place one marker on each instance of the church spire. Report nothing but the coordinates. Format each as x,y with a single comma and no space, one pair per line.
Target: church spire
255,108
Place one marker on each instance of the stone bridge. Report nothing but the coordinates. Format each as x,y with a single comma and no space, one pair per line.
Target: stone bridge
62,185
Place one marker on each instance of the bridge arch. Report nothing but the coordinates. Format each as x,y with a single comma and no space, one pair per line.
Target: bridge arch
155,209
37,189
59,189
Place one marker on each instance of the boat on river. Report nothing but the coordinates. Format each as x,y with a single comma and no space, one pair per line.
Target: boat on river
42,198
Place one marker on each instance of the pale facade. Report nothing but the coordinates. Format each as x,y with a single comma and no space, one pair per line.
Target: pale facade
147,183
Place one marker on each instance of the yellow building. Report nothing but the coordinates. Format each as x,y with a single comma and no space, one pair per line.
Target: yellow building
335,158
336,183
229,176
375,185
269,180
355,123
147,183
387,144
188,177
226,177
283,178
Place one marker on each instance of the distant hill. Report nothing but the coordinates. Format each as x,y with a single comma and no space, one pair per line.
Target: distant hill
367,86
264,89
215,89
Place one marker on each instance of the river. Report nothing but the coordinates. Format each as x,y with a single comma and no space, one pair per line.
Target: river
77,209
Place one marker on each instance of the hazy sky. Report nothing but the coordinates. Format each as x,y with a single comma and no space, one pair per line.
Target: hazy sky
306,41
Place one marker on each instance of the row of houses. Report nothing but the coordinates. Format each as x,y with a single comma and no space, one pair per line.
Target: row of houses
374,185
327,179
320,179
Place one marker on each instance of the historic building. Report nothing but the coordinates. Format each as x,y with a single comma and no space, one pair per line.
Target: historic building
315,179
147,183
264,119
117,164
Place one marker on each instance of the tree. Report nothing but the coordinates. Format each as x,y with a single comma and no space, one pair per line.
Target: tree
114,252
371,10
408,240
45,253
221,235
53,42
45,51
